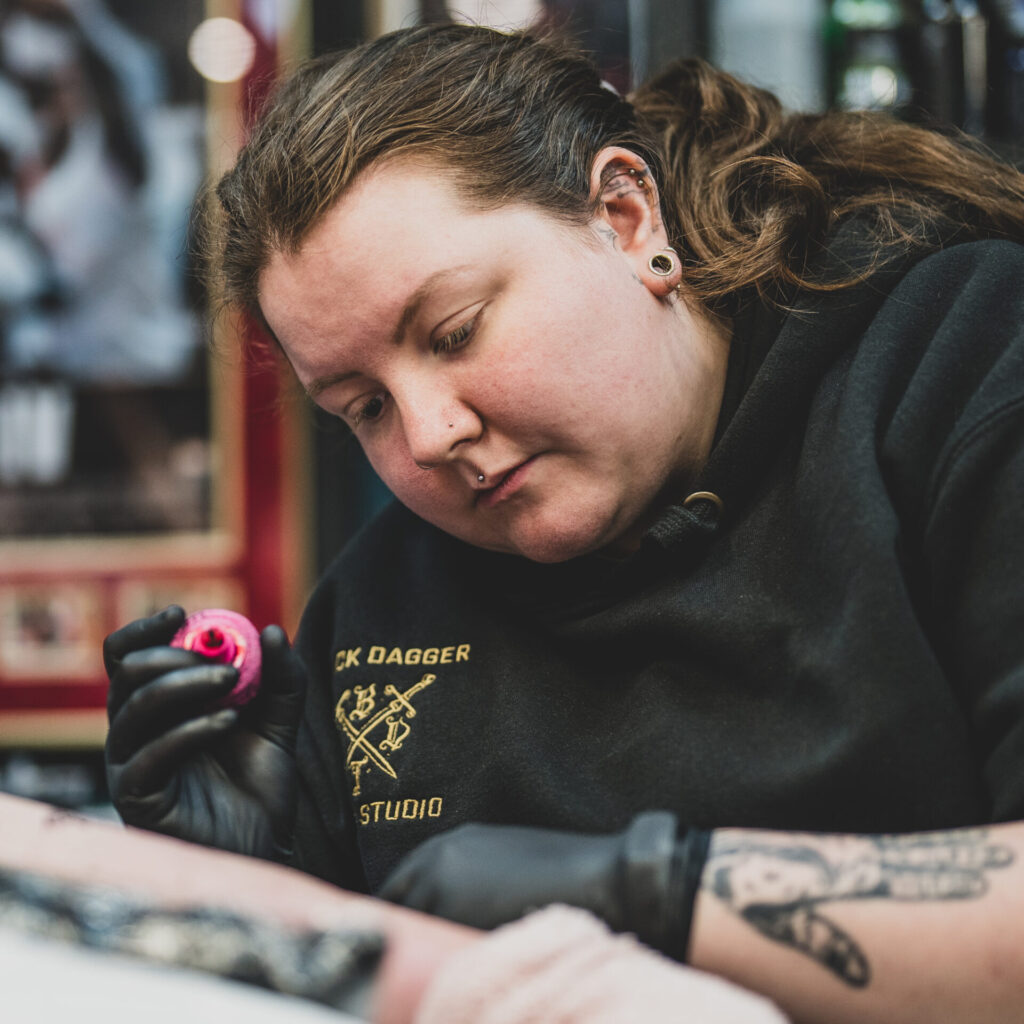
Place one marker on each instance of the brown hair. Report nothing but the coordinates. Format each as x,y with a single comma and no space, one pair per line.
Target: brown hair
748,193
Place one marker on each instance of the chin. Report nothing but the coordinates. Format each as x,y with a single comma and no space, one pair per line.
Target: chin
546,535
551,542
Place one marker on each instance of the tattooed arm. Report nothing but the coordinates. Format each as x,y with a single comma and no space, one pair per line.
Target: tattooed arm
881,929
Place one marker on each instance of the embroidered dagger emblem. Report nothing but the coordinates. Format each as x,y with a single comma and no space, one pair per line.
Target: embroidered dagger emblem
394,714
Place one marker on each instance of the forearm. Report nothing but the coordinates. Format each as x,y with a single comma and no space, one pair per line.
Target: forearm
887,930
38,839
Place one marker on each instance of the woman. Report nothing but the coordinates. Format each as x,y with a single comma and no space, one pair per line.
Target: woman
706,429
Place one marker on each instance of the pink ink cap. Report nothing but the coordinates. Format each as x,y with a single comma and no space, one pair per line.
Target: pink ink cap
227,638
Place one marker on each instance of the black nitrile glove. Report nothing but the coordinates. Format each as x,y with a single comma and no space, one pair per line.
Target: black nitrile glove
643,880
177,765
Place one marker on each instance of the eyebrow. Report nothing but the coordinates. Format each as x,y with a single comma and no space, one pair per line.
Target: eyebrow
410,311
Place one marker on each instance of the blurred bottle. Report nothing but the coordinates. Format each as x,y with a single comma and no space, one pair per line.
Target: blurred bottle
867,47
774,45
1004,37
943,62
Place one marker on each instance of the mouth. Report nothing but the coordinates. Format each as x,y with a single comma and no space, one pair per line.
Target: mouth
508,484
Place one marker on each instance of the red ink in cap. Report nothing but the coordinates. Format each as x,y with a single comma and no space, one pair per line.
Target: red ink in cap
227,638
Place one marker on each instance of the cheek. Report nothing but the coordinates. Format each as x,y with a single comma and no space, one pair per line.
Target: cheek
537,382
392,463
421,490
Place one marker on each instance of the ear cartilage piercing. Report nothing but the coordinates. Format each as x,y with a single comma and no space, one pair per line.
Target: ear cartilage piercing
225,638
662,263
480,478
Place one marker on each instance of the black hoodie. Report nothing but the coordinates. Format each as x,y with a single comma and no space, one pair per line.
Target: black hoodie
839,647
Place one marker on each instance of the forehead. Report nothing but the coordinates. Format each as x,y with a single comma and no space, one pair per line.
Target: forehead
395,227
388,211
362,253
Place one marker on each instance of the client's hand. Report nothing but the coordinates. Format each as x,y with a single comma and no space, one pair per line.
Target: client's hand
176,764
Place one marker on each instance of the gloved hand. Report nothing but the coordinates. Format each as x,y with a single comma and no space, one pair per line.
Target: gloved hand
175,764
643,880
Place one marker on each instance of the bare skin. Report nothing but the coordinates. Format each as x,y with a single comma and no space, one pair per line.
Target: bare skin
40,839
527,385
834,929
887,929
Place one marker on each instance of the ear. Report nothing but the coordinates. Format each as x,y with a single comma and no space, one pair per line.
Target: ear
628,214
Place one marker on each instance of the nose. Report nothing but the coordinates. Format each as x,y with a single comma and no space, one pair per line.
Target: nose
437,426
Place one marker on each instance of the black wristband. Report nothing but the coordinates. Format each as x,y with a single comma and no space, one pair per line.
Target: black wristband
660,878
646,875
688,860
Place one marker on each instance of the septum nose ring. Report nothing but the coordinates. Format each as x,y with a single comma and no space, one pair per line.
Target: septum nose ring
480,478
420,464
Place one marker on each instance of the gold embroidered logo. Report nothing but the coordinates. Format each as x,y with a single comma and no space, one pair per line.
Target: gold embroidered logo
358,715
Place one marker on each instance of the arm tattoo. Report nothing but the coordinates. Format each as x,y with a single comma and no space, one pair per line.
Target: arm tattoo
778,884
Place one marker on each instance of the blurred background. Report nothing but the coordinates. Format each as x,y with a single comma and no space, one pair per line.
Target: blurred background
142,460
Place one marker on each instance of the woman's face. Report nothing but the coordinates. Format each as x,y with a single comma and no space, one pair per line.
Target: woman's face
526,385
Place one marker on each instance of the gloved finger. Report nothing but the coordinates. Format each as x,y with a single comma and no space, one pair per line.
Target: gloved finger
420,893
408,884
438,879
154,631
485,875
140,667
404,888
152,768
276,709
164,703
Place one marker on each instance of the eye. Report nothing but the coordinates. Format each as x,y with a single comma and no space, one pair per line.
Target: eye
454,339
370,410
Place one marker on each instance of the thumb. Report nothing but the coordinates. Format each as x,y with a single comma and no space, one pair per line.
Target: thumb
278,705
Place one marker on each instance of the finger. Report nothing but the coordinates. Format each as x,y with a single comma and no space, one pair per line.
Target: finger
163,704
942,884
409,883
154,631
968,850
153,767
278,706
141,667
423,894
398,886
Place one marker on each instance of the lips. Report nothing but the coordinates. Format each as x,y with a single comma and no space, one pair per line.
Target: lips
509,483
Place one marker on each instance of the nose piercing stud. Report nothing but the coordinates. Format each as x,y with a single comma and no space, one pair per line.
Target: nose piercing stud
480,478
451,424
